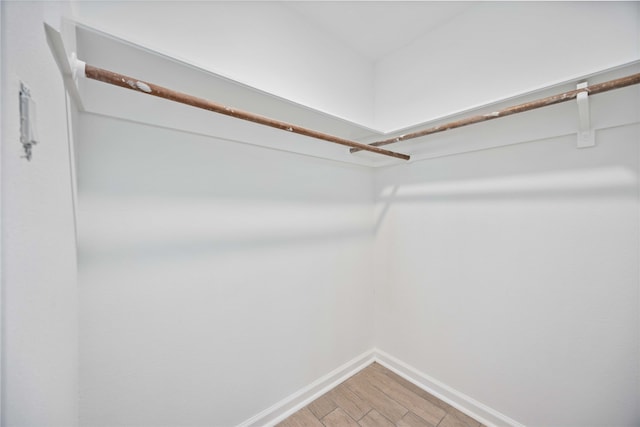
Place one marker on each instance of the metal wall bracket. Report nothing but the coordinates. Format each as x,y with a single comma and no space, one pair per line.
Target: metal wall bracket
28,136
586,137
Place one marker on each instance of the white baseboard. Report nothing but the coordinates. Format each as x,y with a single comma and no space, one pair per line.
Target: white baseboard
486,415
308,394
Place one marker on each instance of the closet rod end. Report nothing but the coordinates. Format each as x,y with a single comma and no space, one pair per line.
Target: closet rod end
78,67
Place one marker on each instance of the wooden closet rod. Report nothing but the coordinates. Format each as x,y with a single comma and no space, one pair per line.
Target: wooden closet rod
527,106
110,77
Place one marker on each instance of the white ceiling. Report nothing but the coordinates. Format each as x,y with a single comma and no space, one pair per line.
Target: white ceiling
377,28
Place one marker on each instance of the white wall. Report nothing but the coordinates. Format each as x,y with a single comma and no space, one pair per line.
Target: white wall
215,278
511,274
495,50
200,257
263,44
39,311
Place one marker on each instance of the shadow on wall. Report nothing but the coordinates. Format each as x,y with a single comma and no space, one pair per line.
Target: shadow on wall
156,195
542,170
128,159
613,181
175,250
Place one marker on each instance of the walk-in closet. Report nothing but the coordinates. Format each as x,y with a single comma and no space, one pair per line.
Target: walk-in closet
311,213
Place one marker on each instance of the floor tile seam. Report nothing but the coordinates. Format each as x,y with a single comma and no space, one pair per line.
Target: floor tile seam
452,413
359,419
383,416
428,423
366,401
408,410
447,410
338,407
320,419
362,417
347,412
391,377
390,398
328,396
445,417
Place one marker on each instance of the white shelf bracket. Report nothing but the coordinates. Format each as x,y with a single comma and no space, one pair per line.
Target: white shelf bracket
586,137
70,67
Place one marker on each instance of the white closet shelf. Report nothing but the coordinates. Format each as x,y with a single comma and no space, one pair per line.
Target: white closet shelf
101,48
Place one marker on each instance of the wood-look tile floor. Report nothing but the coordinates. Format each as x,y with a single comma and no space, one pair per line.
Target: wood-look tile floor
376,397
